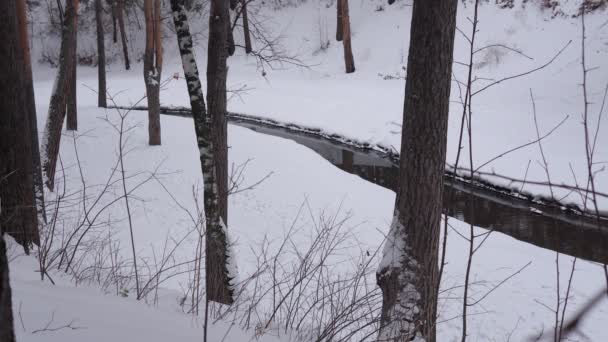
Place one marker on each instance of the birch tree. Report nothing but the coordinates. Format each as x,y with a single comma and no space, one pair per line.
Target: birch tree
408,272
153,62
219,263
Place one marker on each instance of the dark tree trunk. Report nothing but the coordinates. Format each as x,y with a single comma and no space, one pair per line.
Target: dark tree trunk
218,277
230,38
18,217
153,68
218,281
114,30
233,4
101,57
248,48
339,23
120,10
7,333
57,106
72,112
408,272
31,108
349,61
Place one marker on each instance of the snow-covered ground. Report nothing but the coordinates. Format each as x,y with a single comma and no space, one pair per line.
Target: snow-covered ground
363,106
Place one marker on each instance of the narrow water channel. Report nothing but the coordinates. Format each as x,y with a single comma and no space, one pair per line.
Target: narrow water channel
544,226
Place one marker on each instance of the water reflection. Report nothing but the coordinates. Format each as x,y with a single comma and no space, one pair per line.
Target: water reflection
543,226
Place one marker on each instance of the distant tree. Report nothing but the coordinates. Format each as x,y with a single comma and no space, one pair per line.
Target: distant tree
153,63
57,106
339,23
72,111
101,57
408,272
246,32
119,12
19,217
348,51
31,109
210,131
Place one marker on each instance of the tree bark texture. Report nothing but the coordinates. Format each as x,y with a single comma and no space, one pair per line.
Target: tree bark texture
408,278
57,107
218,281
19,217
72,112
152,68
349,61
120,11
248,47
31,108
101,57
339,23
217,275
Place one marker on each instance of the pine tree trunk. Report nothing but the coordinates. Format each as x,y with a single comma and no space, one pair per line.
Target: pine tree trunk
101,57
349,61
72,112
217,275
57,107
120,10
19,217
152,68
248,48
339,22
31,108
408,273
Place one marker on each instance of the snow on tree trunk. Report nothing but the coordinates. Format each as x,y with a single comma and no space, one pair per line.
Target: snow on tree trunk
408,273
153,68
57,108
19,216
218,276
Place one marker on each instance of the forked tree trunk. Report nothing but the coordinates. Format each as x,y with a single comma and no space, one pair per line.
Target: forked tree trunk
152,68
218,281
18,216
408,272
31,108
72,112
54,121
218,277
248,48
349,61
120,10
101,57
339,22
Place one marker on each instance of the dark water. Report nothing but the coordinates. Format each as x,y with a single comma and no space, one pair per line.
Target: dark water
544,226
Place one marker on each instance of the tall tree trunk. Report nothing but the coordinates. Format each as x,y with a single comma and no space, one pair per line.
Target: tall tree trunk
19,217
349,61
219,287
339,22
101,57
31,108
248,48
218,276
72,113
114,31
54,121
7,331
408,272
120,10
152,68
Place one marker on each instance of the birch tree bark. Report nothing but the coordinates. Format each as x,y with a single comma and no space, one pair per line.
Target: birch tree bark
218,278
408,271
